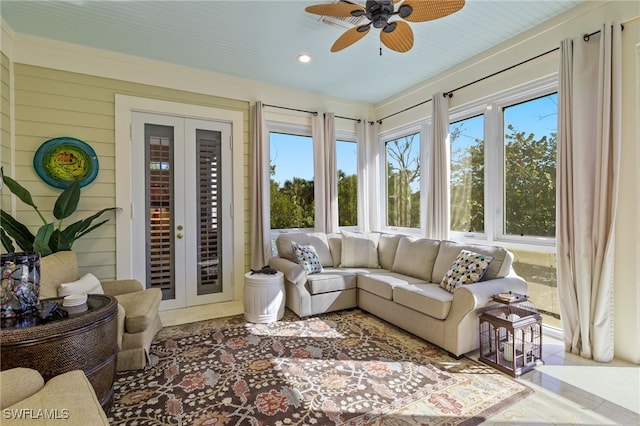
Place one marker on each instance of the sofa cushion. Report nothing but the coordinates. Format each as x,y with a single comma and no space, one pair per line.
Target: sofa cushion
429,299
140,308
307,258
88,284
359,250
382,284
387,247
468,268
449,250
331,280
415,257
17,384
317,239
335,246
57,268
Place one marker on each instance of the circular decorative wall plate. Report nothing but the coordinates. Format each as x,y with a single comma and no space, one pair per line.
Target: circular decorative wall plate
61,161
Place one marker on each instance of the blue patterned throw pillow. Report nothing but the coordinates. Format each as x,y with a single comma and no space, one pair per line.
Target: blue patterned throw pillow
468,268
307,258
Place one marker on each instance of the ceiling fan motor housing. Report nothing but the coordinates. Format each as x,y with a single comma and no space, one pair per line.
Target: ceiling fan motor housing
378,12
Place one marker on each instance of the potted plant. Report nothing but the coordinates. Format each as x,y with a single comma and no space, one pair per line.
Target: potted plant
51,237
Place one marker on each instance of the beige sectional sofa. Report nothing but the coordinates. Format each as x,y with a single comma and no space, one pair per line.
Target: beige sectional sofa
397,278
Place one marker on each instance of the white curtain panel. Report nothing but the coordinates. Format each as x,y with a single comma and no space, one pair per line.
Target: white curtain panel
331,176
363,193
589,141
260,211
438,191
319,172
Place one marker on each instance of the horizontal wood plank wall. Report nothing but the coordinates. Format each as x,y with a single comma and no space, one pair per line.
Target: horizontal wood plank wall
51,103
5,127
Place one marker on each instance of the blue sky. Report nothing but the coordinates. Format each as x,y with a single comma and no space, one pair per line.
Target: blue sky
293,155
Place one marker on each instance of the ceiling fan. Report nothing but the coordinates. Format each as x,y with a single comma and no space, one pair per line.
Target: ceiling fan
395,34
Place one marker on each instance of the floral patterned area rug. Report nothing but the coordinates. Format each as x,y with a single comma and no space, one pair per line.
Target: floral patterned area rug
343,368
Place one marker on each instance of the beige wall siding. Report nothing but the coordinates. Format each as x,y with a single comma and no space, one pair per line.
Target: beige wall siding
52,103
5,126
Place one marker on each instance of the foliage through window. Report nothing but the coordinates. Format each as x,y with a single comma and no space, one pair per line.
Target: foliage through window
291,182
403,181
530,130
347,164
467,174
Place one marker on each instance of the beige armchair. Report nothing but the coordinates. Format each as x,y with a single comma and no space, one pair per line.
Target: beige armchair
67,399
138,318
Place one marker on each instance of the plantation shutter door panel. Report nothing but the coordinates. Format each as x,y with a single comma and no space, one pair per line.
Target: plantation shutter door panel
159,205
208,151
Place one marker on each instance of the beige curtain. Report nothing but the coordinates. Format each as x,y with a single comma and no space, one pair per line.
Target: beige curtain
589,140
260,214
319,172
331,174
363,177
438,191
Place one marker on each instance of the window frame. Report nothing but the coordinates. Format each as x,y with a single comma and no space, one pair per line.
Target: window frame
295,130
534,91
494,162
422,129
345,136
464,112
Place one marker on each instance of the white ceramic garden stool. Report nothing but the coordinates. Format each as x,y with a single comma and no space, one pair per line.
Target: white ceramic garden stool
263,297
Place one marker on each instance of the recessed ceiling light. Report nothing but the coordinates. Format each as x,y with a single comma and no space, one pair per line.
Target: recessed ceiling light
304,58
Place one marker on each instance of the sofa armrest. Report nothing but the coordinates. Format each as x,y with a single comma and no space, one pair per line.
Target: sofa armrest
17,384
483,290
118,287
141,309
292,271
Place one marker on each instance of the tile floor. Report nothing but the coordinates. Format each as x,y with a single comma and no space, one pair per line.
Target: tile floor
571,390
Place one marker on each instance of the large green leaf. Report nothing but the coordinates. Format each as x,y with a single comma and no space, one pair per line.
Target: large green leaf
7,242
86,227
19,190
67,202
20,233
41,242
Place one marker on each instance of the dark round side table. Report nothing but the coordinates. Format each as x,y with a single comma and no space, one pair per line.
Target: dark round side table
84,341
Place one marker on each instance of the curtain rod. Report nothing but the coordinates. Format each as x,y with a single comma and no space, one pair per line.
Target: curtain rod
586,37
291,109
359,120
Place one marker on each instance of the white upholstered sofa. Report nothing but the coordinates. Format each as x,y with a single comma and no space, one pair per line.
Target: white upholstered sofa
396,278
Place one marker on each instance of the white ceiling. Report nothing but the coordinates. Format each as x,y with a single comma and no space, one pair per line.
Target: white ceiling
260,40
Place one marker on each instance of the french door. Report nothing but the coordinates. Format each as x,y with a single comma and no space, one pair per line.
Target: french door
181,173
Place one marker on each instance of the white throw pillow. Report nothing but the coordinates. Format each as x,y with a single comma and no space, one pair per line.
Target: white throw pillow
359,250
88,284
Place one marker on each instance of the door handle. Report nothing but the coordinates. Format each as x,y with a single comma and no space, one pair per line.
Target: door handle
179,235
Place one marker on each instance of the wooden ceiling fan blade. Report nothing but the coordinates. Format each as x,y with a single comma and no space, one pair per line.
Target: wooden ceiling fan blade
350,37
400,38
338,10
427,10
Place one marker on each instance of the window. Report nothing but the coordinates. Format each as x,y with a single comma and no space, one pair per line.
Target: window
291,181
402,165
503,182
530,130
467,175
347,165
